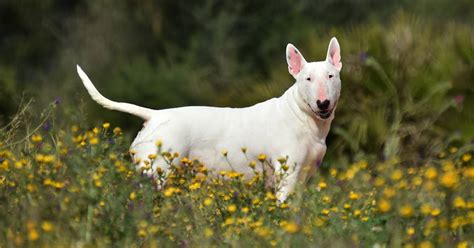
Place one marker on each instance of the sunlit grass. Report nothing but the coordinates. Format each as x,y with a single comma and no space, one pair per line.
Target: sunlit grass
78,185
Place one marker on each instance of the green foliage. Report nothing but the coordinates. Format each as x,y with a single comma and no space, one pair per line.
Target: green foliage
66,184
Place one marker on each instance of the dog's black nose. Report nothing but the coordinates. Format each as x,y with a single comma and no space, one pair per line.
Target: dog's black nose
323,105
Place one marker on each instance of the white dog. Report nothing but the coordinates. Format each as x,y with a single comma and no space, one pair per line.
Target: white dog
293,126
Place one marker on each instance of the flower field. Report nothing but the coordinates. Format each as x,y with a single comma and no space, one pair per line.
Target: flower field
77,186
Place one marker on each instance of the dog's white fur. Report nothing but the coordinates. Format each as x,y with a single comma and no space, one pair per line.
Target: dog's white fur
290,126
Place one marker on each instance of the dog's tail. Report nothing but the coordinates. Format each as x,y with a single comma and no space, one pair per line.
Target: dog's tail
144,113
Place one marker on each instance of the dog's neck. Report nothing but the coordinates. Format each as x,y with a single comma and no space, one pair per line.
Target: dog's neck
317,128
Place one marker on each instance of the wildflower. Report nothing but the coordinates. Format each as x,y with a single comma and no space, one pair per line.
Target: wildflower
94,141
453,149
435,212
246,210
353,195
195,186
33,234
117,131
325,211
449,179
208,232
232,208
459,202
158,143
132,196
106,125
47,226
207,202
262,157
322,185
389,192
357,212
346,206
469,173
406,211
36,138
252,164
229,221
462,244
466,157
141,232
243,149
425,244
224,152
152,156
397,175
425,209
384,206
431,173
290,227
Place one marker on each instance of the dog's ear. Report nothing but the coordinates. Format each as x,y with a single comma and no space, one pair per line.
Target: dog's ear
334,54
295,60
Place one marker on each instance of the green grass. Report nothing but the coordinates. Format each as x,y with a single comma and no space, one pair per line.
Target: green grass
68,185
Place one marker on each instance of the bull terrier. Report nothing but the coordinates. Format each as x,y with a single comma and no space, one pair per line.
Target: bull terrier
293,126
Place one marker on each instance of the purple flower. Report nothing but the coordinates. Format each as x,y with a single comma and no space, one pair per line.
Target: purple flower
57,100
363,56
459,99
46,126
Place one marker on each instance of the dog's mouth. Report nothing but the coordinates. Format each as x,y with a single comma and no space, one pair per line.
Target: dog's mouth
323,114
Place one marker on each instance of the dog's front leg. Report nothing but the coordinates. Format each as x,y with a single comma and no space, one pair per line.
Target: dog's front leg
287,183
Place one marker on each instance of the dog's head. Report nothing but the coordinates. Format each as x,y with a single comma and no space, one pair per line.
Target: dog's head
318,83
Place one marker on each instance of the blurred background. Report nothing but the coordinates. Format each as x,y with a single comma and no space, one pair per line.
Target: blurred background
407,65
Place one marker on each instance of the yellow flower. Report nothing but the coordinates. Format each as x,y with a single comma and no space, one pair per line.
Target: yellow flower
325,211
195,186
397,175
141,232
469,173
449,179
229,221
322,185
232,208
347,206
94,141
384,206
435,212
357,212
431,173
425,244
33,234
132,196
36,138
462,244
117,131
207,202
466,157
406,211
458,202
208,232
353,196
426,209
106,125
47,226
389,192
262,157
290,227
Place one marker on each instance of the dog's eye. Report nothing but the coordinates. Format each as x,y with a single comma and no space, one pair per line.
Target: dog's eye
308,79
330,75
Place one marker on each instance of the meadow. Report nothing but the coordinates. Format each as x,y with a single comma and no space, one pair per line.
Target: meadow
398,172
75,185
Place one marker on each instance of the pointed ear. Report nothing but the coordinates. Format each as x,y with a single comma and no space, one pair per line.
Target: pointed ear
295,60
334,54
